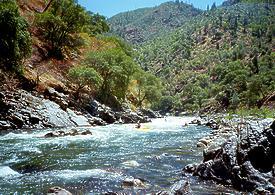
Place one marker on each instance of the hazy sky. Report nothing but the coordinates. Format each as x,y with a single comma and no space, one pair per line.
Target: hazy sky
111,7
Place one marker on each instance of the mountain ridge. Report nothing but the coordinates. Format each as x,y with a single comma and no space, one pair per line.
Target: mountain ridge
143,24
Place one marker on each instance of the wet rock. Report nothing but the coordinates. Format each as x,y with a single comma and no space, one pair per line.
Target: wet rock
58,191
272,126
50,134
34,119
4,125
17,120
201,145
190,168
133,183
181,187
96,121
150,113
2,96
87,132
107,116
246,162
73,132
196,122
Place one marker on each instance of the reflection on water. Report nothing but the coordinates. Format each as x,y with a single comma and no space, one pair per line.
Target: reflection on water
99,163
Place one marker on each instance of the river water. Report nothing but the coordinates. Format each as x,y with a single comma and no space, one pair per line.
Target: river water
98,163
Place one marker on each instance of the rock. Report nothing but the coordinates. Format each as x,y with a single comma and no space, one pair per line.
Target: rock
107,116
150,113
181,187
58,191
17,120
50,134
87,132
205,141
2,96
190,168
196,122
273,126
73,132
96,121
201,145
133,183
34,119
4,125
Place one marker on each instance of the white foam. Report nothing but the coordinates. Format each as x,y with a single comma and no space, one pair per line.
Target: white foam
131,163
6,171
77,174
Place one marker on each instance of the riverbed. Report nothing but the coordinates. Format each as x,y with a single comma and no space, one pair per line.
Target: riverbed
99,163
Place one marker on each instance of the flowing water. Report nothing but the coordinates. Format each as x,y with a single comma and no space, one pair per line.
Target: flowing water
98,163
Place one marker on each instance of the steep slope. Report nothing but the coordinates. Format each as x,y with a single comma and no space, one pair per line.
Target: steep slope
145,24
224,56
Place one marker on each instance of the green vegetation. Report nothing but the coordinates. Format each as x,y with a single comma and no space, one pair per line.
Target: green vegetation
15,40
62,22
83,76
144,24
148,88
222,59
117,70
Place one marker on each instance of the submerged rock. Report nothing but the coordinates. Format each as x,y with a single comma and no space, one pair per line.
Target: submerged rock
138,183
72,132
58,191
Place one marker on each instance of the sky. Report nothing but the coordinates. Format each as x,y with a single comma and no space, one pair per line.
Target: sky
110,8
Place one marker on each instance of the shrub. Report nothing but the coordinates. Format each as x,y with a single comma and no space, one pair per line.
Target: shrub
15,40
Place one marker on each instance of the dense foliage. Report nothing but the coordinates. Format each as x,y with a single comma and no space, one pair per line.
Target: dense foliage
222,58
15,40
62,22
83,76
118,70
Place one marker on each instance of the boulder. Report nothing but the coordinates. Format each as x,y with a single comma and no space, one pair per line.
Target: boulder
4,125
181,187
133,183
72,132
245,163
58,191
17,120
87,132
272,126
50,134
190,168
34,119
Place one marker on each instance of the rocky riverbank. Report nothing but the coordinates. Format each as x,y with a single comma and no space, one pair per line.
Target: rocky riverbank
238,153
25,110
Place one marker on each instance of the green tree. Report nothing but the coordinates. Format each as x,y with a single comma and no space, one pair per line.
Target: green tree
15,40
148,88
116,69
62,21
83,76
97,24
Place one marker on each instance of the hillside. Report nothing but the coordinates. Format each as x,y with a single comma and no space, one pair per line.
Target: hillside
145,24
223,58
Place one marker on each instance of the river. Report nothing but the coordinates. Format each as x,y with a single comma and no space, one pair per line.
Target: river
98,163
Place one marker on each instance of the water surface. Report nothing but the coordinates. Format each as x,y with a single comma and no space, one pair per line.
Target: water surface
98,163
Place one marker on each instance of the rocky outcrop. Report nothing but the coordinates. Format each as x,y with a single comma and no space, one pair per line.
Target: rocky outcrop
25,110
104,112
246,160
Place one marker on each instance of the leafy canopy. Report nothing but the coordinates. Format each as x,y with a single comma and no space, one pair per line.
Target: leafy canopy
15,40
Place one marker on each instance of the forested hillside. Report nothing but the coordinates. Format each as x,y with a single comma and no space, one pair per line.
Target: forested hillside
144,24
59,44
222,58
